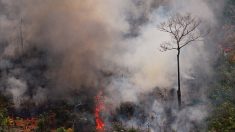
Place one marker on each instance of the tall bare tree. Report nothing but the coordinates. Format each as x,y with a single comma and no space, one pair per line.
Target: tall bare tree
183,30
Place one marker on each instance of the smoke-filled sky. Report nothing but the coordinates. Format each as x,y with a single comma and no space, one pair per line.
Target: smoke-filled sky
111,45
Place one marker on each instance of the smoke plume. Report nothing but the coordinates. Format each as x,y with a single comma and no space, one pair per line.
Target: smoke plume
49,49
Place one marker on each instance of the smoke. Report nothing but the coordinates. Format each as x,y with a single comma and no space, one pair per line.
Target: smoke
148,68
52,48
17,89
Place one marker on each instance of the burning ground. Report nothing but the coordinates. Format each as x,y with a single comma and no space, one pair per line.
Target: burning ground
96,65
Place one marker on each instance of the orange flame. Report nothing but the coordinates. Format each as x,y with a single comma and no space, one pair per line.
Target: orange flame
99,107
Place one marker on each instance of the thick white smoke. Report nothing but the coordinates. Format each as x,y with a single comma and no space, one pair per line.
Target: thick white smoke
149,68
148,65
84,38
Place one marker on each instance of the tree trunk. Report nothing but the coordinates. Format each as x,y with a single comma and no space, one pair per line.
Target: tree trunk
178,91
21,34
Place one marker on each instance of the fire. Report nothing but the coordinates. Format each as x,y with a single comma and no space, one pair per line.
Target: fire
98,108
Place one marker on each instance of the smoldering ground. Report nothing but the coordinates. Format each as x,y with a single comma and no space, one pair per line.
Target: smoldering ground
52,48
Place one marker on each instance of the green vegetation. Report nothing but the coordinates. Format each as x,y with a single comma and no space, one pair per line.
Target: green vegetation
3,119
222,118
43,123
61,129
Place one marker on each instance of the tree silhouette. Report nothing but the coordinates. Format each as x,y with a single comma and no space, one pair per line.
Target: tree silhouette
183,30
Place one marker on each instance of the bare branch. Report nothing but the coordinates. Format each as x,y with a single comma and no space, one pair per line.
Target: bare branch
191,40
167,46
183,29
